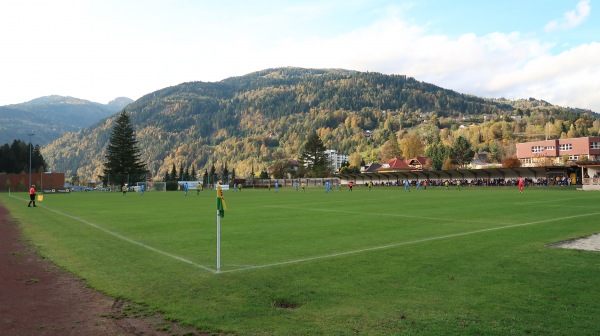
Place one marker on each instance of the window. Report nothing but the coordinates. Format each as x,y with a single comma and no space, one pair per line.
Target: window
550,148
537,149
573,157
595,145
565,147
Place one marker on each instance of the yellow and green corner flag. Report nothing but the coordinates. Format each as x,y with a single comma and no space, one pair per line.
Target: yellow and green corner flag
221,206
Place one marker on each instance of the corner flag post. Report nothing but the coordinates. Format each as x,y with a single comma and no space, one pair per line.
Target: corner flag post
218,240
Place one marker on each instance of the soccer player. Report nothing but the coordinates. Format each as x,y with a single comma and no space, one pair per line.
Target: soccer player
521,182
185,189
32,196
276,186
142,189
124,190
406,186
350,185
327,186
458,184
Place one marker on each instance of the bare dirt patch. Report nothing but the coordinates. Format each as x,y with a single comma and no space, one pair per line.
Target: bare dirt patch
590,243
39,298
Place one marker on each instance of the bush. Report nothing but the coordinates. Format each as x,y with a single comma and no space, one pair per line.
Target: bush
172,186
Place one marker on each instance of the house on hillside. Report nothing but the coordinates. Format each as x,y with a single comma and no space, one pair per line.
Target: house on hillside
418,163
370,168
394,165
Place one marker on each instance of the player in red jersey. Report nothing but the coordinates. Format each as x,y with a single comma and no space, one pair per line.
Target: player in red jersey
521,182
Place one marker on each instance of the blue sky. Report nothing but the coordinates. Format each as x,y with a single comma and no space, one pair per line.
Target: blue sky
102,49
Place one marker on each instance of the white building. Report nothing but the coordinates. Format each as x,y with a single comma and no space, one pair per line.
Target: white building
336,159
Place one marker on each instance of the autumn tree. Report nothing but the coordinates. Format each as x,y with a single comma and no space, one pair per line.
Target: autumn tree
411,146
355,160
511,162
448,164
123,159
282,169
390,149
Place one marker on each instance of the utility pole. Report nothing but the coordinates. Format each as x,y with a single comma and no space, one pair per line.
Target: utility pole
30,135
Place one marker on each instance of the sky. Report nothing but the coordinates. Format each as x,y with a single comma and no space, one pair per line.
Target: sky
99,50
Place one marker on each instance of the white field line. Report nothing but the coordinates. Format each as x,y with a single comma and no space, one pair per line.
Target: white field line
323,256
386,215
551,201
411,242
114,234
570,206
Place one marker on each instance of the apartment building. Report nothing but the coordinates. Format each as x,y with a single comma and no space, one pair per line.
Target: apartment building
549,152
336,159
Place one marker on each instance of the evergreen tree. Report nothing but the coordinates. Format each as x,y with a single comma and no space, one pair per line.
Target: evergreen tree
193,174
438,154
181,174
233,173
461,152
173,175
186,174
123,161
37,160
212,177
14,159
225,172
313,158
205,177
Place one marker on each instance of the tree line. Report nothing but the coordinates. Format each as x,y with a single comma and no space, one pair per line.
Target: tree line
258,122
14,158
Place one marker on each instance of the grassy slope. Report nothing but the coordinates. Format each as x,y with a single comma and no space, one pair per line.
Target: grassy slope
430,262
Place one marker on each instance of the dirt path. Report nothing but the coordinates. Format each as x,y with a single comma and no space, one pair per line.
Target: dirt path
38,298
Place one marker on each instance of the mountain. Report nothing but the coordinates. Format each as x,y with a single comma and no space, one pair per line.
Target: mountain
50,117
248,122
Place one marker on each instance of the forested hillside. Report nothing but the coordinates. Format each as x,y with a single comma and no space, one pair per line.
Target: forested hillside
52,116
250,122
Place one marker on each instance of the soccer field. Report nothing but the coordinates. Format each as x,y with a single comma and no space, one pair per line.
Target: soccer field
380,262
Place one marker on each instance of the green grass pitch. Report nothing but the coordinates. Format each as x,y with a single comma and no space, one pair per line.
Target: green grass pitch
474,261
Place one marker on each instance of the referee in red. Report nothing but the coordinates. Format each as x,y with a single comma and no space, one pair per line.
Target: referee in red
32,196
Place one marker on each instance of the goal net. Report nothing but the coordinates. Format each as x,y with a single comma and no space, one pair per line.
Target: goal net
152,186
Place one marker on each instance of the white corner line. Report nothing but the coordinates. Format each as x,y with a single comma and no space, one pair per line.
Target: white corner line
409,242
114,234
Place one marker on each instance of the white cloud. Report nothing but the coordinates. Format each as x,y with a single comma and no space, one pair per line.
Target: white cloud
494,65
89,54
572,18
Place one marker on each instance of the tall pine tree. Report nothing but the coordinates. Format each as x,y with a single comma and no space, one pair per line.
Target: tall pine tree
123,163
313,159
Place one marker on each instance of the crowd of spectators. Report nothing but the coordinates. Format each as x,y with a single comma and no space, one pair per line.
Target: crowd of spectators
496,182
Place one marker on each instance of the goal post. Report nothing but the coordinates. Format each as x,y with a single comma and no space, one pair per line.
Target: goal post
152,186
